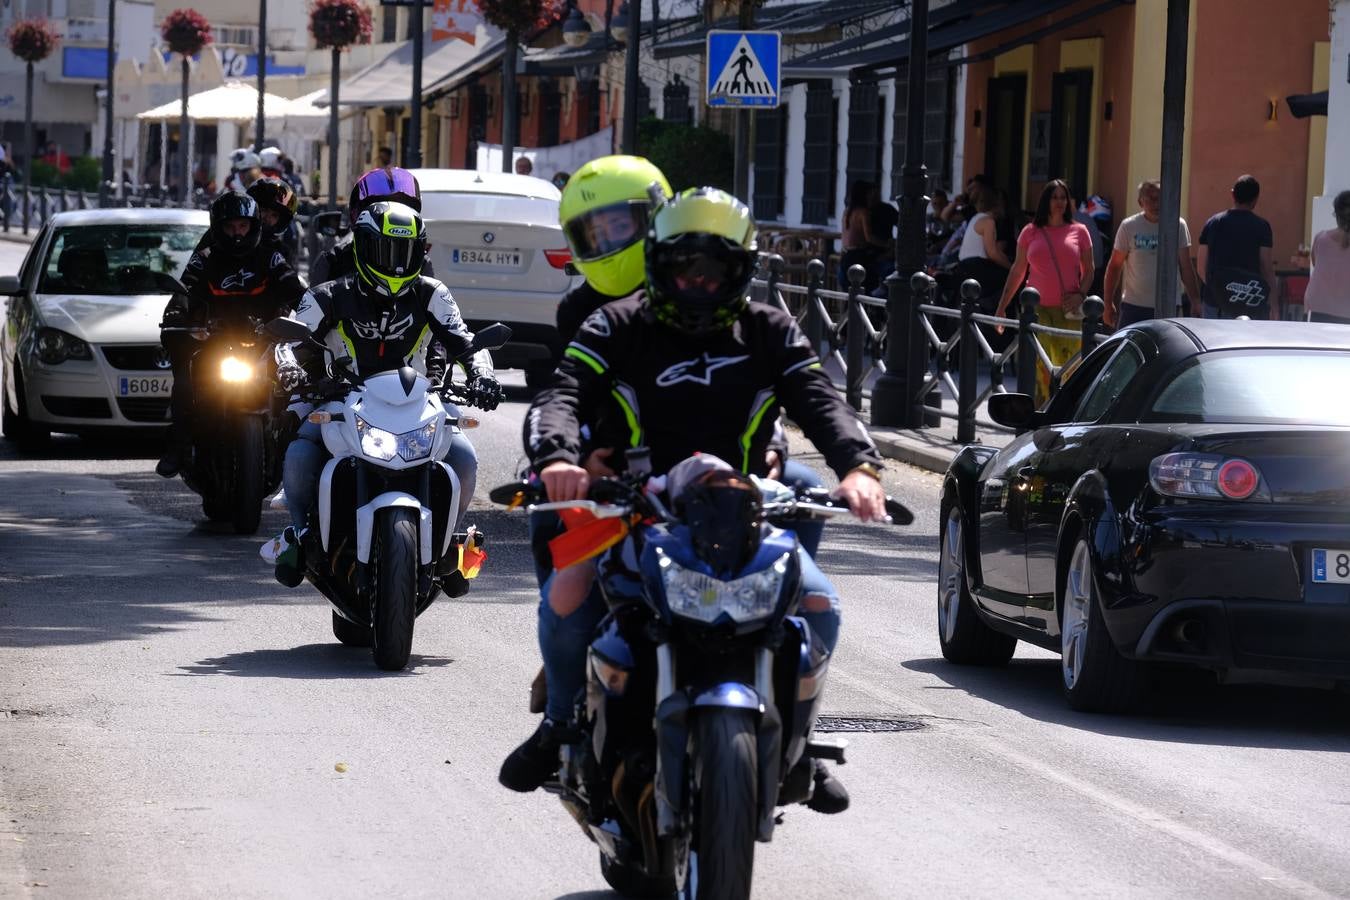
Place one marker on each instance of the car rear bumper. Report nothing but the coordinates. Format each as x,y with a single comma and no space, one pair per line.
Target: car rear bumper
1255,635
84,395
1233,594
530,342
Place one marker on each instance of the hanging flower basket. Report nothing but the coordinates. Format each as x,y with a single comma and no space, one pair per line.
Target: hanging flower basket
520,16
186,31
339,23
32,40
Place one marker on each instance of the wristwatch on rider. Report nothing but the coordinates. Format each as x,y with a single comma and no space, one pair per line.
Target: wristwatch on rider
867,469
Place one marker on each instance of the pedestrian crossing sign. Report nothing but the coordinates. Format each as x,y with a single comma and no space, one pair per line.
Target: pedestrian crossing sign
743,68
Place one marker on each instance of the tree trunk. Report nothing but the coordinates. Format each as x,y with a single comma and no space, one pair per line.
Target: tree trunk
510,123
107,188
333,130
260,128
28,143
185,190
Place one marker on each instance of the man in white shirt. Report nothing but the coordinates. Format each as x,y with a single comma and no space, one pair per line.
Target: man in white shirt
1134,263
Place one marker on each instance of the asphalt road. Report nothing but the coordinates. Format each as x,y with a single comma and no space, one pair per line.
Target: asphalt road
173,723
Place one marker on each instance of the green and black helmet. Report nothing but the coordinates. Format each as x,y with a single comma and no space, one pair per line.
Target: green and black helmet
389,243
701,255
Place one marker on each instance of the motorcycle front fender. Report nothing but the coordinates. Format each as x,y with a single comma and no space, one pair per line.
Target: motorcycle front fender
365,523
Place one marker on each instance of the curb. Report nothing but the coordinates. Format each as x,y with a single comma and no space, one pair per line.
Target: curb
18,237
934,455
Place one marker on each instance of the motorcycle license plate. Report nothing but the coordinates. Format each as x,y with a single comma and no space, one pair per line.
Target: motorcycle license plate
485,259
130,386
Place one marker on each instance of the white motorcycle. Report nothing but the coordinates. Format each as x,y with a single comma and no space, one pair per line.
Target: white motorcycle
383,542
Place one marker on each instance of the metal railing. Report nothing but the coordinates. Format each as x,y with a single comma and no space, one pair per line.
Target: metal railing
32,209
848,331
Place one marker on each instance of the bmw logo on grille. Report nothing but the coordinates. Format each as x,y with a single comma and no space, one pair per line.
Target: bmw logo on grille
488,237
162,360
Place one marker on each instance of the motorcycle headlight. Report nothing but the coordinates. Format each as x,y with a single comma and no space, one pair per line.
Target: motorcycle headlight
54,347
694,595
235,370
416,444
376,442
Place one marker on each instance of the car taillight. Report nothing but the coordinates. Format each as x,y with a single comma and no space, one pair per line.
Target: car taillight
1205,476
558,259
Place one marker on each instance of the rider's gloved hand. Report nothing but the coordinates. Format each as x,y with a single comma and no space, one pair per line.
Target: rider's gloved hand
485,392
290,377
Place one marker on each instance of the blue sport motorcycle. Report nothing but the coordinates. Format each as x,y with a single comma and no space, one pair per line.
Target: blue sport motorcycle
703,686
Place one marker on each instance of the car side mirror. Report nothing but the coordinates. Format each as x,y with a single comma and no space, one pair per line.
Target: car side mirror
9,286
491,337
570,269
285,329
1016,411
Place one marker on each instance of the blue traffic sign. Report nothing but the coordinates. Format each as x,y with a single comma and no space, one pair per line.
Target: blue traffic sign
744,68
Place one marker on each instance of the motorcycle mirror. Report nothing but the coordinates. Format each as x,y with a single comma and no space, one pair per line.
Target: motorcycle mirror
286,329
491,337
166,283
899,513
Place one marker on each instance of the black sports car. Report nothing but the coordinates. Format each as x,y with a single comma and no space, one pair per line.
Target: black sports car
1184,498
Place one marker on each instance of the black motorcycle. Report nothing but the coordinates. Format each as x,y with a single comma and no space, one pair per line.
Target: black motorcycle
236,450
696,721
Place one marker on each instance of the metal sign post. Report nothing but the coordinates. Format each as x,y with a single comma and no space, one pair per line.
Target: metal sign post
744,71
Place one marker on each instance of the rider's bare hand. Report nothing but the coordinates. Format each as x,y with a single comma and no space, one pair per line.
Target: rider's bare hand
564,481
864,495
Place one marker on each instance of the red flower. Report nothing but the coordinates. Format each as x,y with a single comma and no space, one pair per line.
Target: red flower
520,16
339,23
32,40
186,31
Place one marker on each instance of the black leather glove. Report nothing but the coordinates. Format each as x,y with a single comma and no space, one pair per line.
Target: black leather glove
290,377
485,392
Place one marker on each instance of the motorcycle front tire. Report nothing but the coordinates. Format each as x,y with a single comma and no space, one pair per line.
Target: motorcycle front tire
395,603
726,811
249,476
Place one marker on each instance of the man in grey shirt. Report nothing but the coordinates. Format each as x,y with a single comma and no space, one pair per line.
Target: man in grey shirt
1134,263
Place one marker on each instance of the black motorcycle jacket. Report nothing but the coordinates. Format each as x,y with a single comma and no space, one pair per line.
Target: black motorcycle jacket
339,261
221,286
380,334
719,393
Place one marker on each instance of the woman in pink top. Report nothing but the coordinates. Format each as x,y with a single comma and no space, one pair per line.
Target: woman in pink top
1054,255
1328,295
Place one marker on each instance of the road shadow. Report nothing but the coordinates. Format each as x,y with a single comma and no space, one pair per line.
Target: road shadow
1186,706
589,895
109,446
309,661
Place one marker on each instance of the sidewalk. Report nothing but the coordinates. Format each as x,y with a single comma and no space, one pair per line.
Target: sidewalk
929,448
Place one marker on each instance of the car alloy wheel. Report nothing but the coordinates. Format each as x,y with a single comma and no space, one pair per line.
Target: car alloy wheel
1073,635
965,638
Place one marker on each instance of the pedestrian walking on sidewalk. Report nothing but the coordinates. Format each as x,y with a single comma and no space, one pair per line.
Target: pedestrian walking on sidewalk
1054,255
1134,263
1237,259
1326,298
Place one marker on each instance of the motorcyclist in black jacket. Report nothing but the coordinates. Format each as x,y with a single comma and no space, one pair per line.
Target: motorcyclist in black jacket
232,277
277,205
698,368
383,317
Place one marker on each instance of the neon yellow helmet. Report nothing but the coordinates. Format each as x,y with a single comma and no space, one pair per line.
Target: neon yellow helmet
701,255
389,246
604,211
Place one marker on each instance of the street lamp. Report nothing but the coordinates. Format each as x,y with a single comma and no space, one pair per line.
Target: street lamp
106,188
576,30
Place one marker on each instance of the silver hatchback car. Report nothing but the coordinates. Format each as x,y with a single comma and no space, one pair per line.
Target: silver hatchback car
80,347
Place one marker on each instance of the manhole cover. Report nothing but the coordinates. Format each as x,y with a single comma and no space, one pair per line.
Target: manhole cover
836,724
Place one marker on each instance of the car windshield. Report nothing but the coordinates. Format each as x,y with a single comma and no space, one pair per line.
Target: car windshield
1288,387
488,208
116,259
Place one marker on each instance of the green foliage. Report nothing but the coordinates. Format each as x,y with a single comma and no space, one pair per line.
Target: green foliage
84,175
689,155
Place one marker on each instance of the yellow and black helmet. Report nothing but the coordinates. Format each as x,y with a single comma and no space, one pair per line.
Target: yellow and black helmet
389,244
701,255
605,209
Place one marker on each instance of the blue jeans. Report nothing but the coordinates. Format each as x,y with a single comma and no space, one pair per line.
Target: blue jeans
306,456
563,640
799,474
